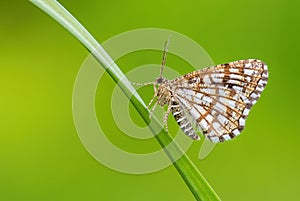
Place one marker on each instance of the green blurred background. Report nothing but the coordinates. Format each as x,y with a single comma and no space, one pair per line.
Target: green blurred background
41,155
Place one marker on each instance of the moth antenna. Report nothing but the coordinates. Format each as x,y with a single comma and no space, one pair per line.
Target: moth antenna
166,46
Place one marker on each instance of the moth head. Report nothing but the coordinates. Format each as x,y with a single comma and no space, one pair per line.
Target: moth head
160,80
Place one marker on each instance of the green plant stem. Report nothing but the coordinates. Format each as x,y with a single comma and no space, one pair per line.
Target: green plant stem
188,171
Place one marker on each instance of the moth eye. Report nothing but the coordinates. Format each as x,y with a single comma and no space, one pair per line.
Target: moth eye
159,80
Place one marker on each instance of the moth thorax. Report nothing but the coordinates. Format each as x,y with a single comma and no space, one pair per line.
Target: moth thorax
164,95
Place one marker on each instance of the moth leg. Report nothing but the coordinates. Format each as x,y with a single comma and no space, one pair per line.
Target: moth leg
142,84
151,101
153,108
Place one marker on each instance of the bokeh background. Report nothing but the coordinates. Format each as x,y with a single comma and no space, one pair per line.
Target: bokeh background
41,155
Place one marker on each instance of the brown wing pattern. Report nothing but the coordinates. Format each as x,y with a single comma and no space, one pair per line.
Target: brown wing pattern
219,98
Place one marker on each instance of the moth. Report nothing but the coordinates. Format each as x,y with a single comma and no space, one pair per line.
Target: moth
215,100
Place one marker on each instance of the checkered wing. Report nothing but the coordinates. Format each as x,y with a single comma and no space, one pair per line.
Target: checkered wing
219,98
184,120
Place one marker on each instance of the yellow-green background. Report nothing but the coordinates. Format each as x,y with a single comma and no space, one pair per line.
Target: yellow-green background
41,155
